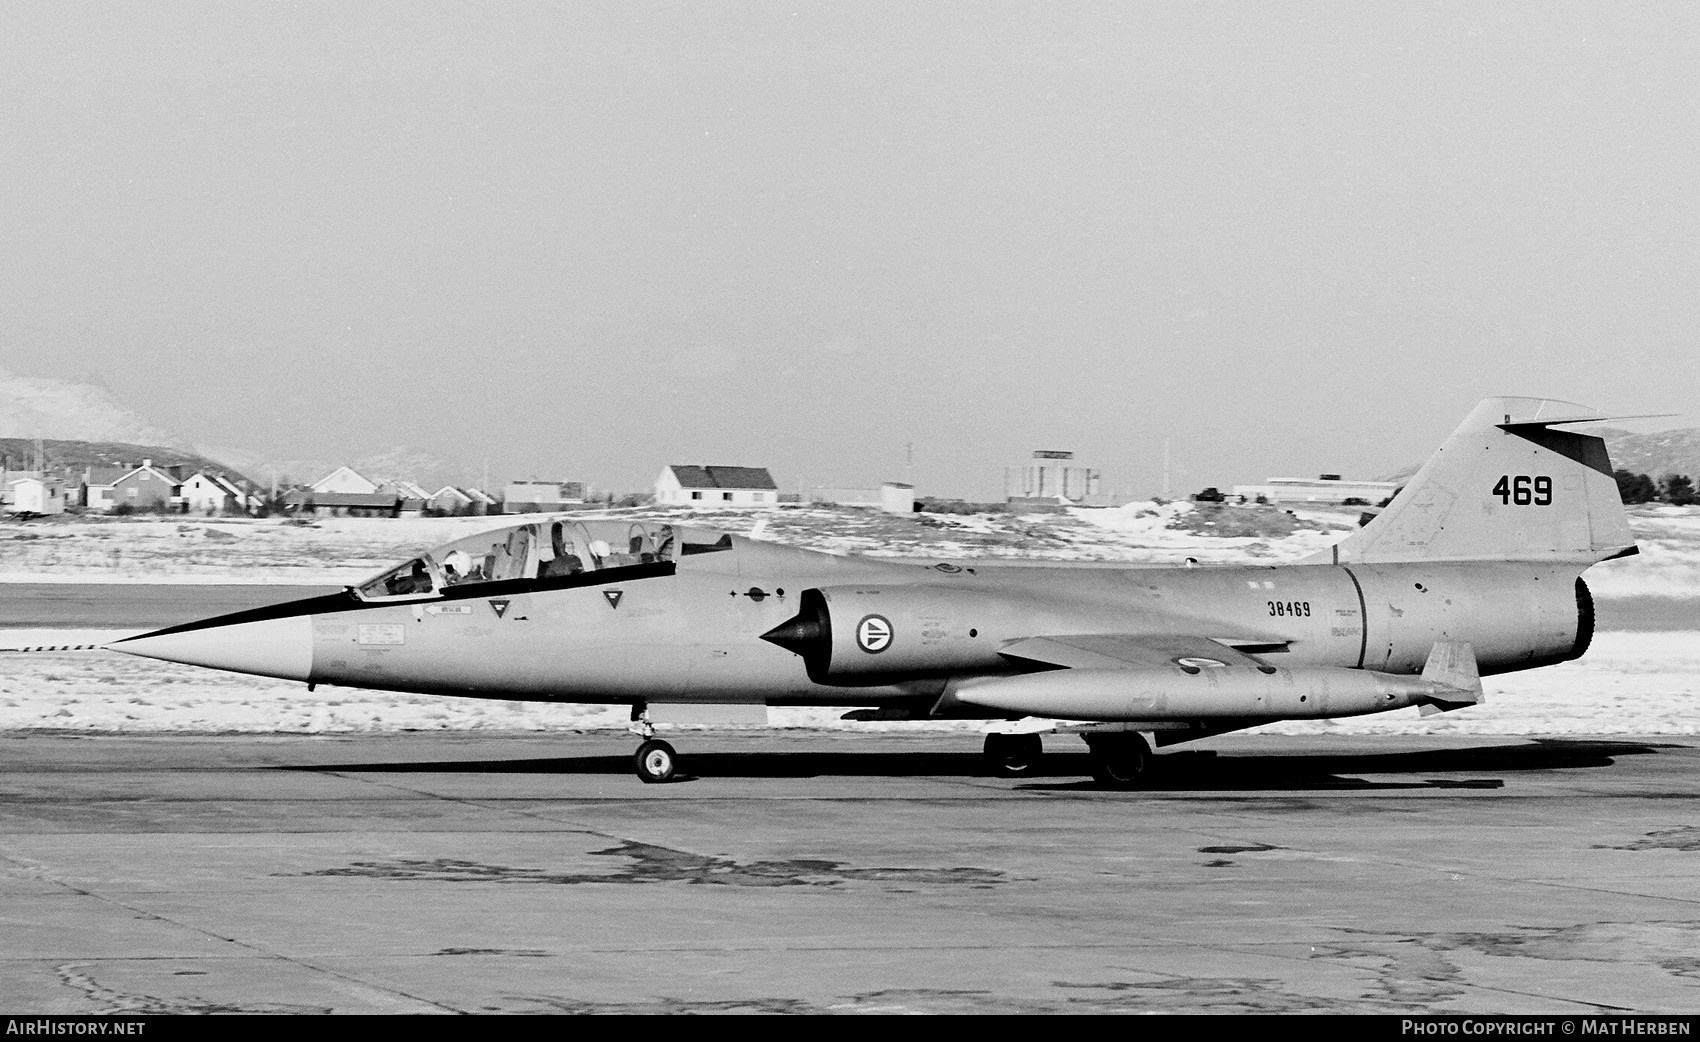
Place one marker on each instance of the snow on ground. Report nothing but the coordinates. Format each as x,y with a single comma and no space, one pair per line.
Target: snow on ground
330,552
1629,683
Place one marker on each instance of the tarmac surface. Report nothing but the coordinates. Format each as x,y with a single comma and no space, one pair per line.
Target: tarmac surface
854,873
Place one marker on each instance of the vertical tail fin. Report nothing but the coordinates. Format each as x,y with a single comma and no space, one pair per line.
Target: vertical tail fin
1506,485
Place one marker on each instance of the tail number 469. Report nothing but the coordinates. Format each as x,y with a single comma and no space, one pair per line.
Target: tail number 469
1524,490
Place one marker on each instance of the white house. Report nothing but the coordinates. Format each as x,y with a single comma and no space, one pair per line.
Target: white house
703,486
344,479
33,495
451,499
97,485
211,494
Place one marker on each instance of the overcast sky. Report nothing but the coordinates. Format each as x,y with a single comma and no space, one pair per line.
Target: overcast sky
584,240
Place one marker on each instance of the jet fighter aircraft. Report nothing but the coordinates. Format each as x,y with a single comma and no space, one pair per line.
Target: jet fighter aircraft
1473,569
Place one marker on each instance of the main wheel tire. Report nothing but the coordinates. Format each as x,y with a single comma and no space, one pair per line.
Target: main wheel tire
1014,755
656,761
1120,761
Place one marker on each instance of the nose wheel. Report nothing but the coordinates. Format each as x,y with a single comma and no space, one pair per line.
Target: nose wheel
656,761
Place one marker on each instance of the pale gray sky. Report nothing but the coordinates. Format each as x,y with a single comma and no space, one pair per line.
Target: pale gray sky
585,239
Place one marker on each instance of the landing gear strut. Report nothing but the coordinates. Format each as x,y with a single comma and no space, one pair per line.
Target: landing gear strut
1013,755
655,760
1120,760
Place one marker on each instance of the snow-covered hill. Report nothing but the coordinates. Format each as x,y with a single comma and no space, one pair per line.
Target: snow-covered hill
44,407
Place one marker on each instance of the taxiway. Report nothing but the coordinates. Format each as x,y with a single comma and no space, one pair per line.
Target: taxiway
805,872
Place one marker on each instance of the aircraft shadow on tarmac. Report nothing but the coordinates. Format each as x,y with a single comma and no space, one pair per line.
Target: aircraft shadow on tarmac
1177,771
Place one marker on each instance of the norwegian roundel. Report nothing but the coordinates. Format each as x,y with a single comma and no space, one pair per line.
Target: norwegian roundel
873,634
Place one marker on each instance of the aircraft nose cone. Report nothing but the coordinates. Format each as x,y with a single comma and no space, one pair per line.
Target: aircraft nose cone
269,648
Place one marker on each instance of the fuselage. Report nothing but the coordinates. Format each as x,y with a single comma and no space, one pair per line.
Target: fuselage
690,629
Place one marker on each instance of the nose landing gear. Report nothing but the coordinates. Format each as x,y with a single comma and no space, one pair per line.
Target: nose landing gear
655,760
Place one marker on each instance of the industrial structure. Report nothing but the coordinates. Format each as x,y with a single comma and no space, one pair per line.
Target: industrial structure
1051,478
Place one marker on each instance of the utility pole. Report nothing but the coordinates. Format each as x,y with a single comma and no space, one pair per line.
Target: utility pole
909,464
1165,468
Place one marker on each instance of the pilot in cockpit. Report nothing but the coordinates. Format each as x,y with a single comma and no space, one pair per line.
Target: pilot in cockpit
566,562
416,581
457,566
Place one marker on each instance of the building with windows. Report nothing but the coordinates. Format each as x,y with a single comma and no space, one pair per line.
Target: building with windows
1326,488
147,488
714,487
533,497
893,497
213,494
95,489
32,495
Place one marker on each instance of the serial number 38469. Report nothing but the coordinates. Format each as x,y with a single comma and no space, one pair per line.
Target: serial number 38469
1299,608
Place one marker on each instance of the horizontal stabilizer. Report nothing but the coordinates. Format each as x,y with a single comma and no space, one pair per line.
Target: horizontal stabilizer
1452,664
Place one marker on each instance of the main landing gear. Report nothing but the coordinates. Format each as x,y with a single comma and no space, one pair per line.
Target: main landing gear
1013,755
1120,759
655,760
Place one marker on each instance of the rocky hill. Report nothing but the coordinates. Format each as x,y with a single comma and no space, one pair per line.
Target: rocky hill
19,454
1656,454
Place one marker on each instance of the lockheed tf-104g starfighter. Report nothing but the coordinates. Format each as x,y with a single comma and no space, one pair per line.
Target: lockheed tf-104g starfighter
1473,569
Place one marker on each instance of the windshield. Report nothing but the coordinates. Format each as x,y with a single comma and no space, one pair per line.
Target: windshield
541,550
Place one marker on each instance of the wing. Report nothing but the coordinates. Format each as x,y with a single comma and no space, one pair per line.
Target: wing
1135,650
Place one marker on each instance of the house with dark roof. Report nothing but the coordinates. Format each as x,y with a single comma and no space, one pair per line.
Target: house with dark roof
705,486
343,504
147,487
95,488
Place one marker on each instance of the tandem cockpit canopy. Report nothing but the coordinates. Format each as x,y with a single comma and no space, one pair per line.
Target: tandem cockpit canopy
546,549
